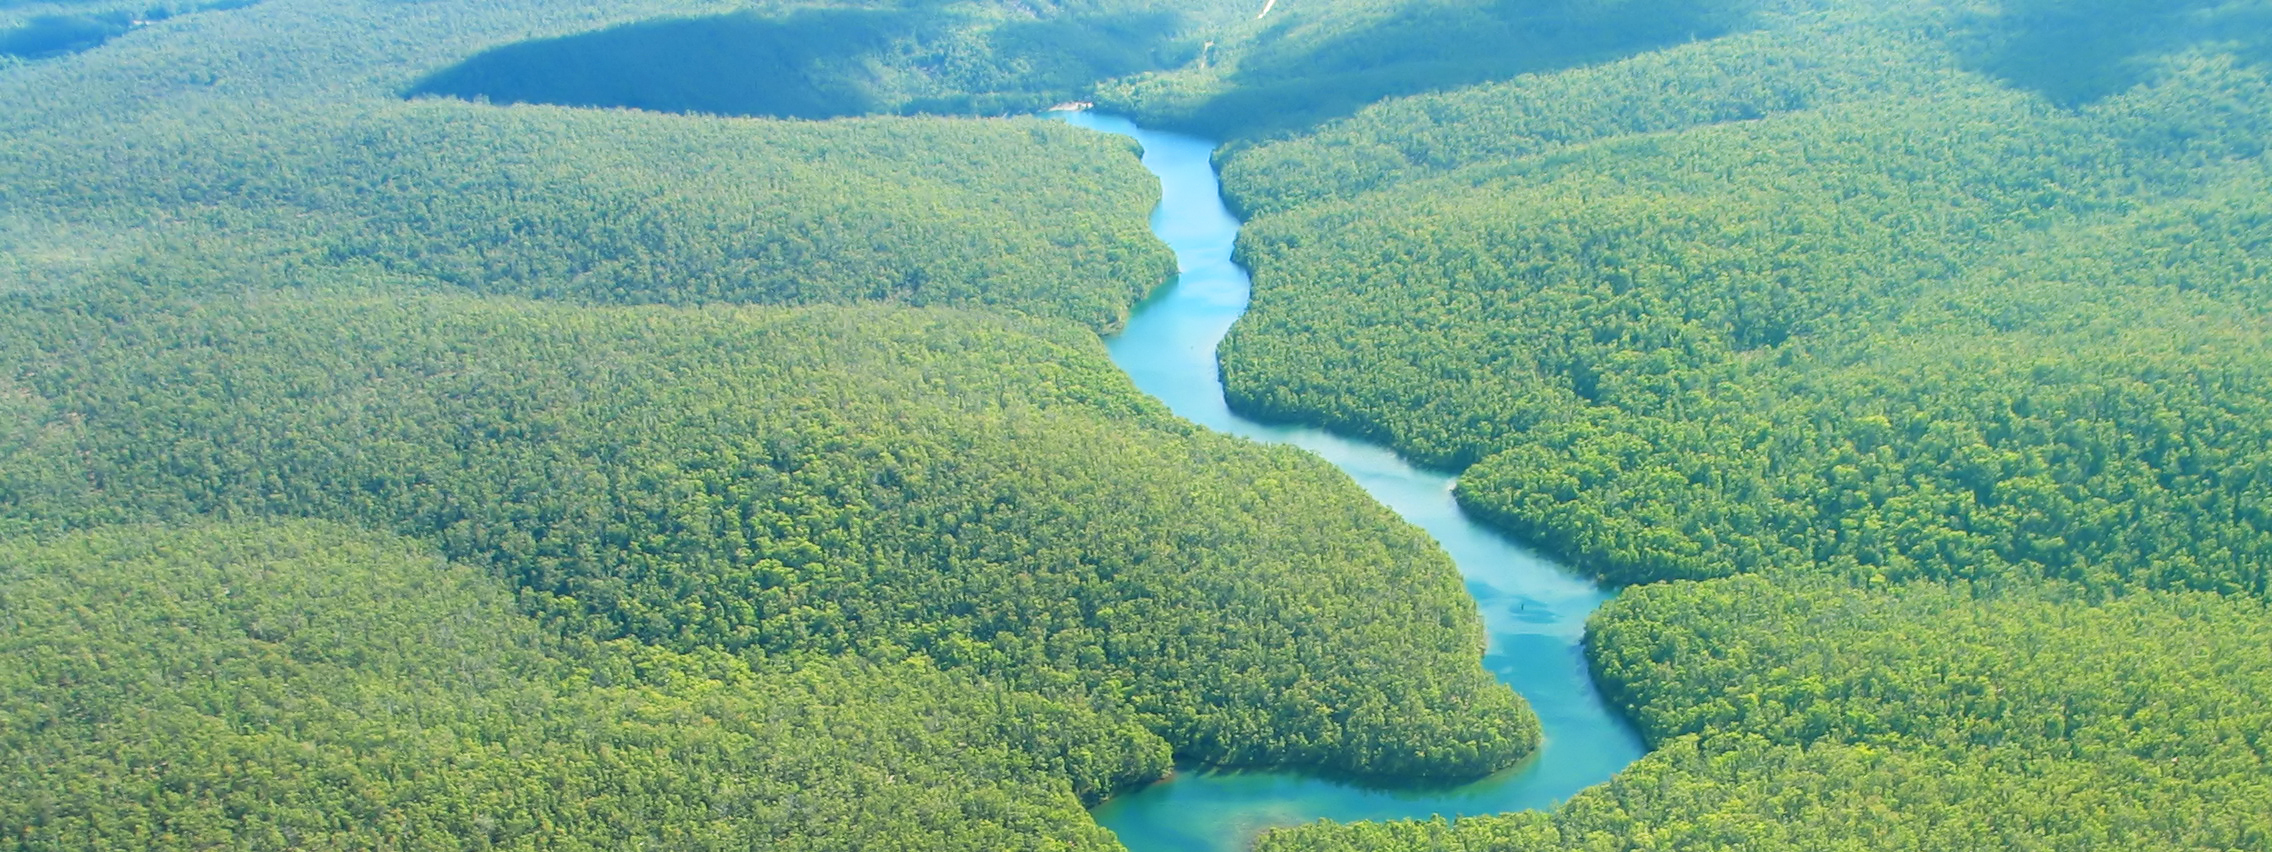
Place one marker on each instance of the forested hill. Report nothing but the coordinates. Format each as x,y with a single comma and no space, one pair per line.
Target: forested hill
1898,319
1939,326
875,482
389,459
1303,63
1921,717
269,145
898,561
307,686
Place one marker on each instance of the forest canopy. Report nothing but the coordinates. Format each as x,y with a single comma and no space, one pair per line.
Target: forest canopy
873,482
1940,327
463,423
1920,716
308,686
1929,328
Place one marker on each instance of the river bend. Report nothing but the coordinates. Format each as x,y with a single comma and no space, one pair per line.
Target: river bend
1533,609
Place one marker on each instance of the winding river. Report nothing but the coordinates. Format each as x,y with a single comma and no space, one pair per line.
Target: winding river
1534,610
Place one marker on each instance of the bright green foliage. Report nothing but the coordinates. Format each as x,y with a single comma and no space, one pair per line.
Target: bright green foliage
872,481
303,686
1027,216
617,208
2151,677
1740,792
1920,717
944,542
1965,364
1915,325
1944,319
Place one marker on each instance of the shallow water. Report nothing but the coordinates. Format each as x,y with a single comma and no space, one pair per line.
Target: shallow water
1534,609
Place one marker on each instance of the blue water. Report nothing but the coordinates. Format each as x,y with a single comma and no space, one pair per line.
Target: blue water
1534,609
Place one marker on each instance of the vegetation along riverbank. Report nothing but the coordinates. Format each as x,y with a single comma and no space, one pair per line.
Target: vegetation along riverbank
681,424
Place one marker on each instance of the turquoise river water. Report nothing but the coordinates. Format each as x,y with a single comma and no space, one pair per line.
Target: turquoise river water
1534,609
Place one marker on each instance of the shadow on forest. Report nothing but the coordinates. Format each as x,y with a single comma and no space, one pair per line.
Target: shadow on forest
55,35
1291,80
2078,51
51,35
820,63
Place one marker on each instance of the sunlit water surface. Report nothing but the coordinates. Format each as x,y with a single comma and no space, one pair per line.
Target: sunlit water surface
1534,609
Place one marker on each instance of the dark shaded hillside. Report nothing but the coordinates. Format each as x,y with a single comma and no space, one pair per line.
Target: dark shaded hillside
50,35
2078,51
808,64
823,63
1309,63
57,28
1222,78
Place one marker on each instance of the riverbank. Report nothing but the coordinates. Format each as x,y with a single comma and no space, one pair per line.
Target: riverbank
1534,610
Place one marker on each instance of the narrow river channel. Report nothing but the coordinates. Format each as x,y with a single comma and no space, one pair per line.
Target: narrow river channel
1534,609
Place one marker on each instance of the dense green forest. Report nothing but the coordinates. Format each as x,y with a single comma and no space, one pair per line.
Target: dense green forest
1918,716
869,481
479,423
248,280
1941,325
307,686
617,208
268,146
1928,328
